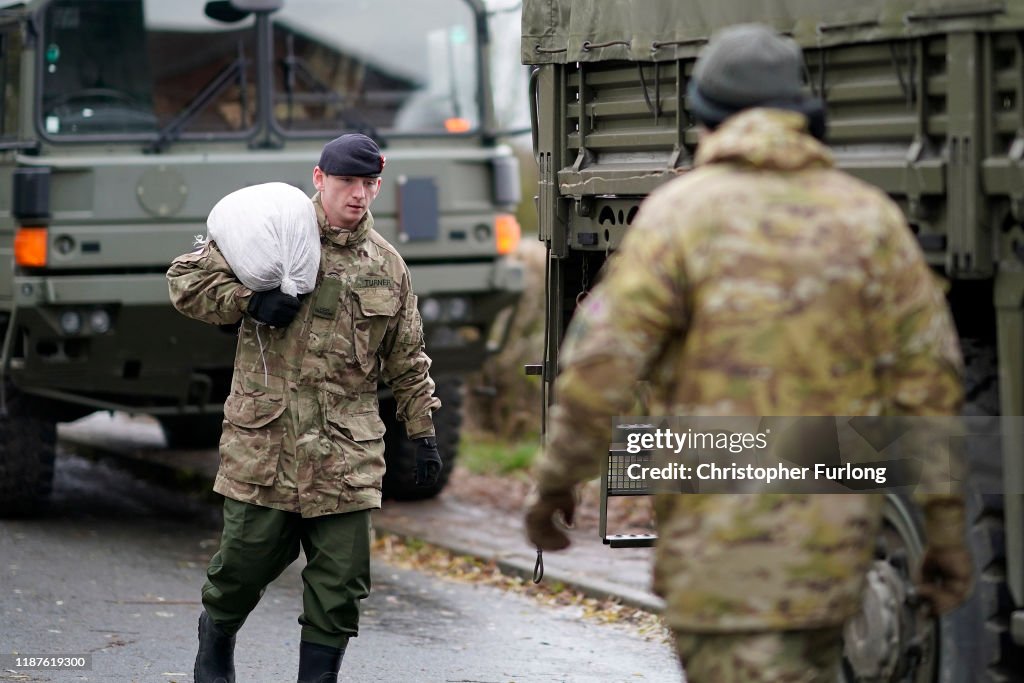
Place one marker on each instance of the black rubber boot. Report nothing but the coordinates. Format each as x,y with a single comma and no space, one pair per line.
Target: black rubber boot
215,661
319,663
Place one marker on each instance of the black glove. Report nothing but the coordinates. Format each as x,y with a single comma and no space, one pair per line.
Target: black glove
540,519
945,578
274,307
428,462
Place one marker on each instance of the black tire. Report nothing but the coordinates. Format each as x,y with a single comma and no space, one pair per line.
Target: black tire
914,654
985,652
28,450
192,432
973,642
400,453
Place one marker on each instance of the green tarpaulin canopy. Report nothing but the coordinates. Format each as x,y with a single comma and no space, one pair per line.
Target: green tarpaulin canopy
567,31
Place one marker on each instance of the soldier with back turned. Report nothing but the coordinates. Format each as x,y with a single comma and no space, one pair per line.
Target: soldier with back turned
763,282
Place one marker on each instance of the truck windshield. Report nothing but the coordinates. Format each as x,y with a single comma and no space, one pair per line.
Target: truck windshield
126,69
115,67
10,85
388,64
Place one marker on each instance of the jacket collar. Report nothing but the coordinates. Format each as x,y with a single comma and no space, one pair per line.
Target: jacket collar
774,139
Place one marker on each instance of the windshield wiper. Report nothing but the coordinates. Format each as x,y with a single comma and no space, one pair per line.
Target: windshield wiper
233,72
295,68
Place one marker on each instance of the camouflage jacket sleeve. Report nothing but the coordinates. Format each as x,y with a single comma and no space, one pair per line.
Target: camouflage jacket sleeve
202,286
613,339
405,367
920,369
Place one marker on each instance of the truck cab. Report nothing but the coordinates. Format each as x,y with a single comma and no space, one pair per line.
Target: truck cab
124,121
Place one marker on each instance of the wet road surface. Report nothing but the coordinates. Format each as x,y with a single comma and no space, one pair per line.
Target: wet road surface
114,570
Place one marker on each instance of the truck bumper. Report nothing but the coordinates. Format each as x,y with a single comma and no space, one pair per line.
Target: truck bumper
154,360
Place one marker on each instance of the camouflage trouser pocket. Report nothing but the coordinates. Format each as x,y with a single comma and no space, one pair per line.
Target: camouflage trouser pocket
251,444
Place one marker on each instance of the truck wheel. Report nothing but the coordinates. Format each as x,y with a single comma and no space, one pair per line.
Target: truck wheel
889,640
985,652
28,449
972,644
400,453
192,432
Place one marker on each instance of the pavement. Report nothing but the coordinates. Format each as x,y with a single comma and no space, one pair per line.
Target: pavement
588,566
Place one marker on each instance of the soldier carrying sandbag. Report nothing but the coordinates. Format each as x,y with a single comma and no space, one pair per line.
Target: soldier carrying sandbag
302,453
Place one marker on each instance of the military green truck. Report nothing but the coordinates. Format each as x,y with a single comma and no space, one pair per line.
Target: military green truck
124,121
926,101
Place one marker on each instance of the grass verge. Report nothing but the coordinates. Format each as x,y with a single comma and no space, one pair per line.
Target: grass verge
486,454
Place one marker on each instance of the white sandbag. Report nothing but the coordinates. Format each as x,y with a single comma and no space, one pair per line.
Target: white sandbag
269,235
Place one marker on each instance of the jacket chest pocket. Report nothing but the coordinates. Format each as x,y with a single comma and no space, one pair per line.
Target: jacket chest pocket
372,311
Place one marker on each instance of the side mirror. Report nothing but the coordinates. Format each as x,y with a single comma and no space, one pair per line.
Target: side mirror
224,10
257,5
232,11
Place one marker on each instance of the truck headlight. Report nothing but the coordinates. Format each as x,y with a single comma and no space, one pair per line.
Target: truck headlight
70,322
458,308
430,310
99,321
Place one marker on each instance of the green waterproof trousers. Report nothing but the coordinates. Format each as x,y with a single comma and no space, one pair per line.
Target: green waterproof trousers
259,542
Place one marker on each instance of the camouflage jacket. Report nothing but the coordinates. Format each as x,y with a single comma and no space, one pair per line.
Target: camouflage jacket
763,282
301,429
